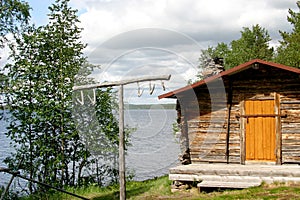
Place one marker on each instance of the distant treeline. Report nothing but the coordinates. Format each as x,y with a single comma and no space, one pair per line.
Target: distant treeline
149,106
133,106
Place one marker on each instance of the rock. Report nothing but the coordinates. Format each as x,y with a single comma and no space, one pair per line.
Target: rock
185,159
212,67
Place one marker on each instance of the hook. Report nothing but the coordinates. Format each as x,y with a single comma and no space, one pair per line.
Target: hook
93,101
82,99
151,88
163,85
140,92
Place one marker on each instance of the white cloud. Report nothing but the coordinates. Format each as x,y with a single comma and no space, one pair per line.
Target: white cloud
119,32
207,21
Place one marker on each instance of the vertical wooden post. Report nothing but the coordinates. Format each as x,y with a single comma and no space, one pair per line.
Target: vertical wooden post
278,130
229,105
242,133
121,146
121,119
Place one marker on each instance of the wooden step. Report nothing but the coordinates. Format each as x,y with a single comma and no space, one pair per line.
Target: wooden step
234,175
195,177
238,170
227,184
240,179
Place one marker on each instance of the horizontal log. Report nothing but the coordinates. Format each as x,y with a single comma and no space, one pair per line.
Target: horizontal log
204,157
213,154
184,177
197,143
261,115
295,136
234,146
212,131
231,161
291,143
122,82
222,184
290,131
206,146
290,125
289,158
294,96
203,123
290,119
207,119
290,107
291,112
208,156
291,148
293,93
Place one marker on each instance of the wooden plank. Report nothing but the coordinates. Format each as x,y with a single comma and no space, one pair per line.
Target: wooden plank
270,137
250,130
122,82
122,180
229,106
242,132
225,184
273,131
266,133
185,177
278,130
257,130
260,131
261,115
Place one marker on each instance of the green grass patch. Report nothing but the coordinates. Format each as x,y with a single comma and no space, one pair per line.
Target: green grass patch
160,188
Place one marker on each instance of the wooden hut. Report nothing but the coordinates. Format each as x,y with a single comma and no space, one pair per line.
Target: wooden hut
250,113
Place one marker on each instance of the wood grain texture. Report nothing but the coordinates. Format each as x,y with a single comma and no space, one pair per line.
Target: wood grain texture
207,116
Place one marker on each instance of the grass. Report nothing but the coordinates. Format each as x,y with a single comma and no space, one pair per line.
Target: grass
160,188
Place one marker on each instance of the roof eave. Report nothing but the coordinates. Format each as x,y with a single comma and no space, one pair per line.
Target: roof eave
229,72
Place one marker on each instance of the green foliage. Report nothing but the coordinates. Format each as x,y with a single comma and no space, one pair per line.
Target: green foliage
160,188
134,190
288,51
149,106
51,131
98,129
12,14
254,43
220,51
108,124
39,97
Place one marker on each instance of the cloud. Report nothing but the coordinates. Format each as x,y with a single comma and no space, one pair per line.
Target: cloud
144,52
140,37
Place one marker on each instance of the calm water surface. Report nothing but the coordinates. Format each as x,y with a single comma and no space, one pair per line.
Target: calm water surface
153,151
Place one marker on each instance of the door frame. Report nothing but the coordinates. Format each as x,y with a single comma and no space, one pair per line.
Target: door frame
278,136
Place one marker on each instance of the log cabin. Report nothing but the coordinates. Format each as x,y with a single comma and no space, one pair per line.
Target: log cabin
247,114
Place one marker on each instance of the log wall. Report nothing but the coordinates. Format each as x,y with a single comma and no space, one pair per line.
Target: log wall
206,112
290,126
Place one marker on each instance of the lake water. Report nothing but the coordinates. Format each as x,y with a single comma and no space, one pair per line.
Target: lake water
153,151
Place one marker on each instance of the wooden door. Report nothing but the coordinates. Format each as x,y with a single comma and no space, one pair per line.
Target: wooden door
260,130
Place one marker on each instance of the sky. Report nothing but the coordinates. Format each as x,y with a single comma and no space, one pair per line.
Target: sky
135,38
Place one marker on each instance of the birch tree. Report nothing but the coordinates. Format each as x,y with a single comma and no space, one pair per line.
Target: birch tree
39,97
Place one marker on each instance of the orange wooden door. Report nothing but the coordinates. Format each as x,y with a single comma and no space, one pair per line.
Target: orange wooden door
260,131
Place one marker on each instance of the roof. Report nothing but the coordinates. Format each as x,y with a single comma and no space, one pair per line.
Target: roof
228,72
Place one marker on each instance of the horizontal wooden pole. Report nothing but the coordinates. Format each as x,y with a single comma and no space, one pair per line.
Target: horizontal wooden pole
122,82
17,173
260,115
